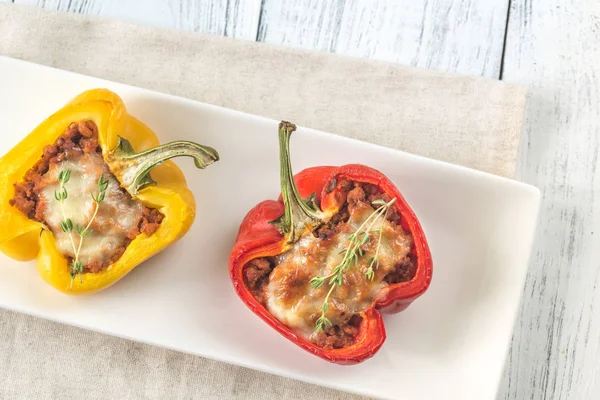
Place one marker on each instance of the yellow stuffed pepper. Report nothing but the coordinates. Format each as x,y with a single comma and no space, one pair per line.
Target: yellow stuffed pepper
76,196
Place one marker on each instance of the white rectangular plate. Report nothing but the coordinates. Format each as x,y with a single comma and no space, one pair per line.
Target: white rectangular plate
450,344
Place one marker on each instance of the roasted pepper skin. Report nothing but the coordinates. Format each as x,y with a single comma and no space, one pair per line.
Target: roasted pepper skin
257,237
24,239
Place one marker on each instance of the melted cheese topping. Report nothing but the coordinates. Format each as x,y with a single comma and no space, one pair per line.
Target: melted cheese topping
117,217
293,301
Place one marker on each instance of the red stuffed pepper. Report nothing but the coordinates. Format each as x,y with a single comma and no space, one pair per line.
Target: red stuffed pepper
321,264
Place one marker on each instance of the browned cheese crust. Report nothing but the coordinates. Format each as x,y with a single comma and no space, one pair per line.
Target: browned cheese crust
343,334
78,139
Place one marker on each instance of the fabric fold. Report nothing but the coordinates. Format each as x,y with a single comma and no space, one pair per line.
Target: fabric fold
471,121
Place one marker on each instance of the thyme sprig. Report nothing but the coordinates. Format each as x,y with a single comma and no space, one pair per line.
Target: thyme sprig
66,224
353,252
76,267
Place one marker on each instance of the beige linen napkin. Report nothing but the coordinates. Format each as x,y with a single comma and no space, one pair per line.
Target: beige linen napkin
474,122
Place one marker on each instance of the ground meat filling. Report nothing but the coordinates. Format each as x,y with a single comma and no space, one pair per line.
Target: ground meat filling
339,336
79,144
258,272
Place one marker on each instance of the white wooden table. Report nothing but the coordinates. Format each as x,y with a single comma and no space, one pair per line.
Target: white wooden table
551,46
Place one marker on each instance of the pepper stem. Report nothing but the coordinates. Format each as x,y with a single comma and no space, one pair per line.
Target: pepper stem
300,214
133,169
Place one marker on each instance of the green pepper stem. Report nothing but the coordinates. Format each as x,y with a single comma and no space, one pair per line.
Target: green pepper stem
300,214
133,169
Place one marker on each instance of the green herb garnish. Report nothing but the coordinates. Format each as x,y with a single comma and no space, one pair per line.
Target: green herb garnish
76,267
351,257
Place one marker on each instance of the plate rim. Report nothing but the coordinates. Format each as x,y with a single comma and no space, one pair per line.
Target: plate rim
531,192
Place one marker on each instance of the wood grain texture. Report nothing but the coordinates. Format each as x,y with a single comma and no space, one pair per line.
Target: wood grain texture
462,36
234,18
553,46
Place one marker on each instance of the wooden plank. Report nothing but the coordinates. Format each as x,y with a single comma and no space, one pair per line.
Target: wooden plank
311,24
553,47
452,35
234,18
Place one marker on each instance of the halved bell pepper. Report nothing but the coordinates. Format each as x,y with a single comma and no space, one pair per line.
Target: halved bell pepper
119,133
310,199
